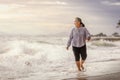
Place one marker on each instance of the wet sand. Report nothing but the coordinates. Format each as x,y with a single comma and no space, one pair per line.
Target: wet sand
108,70
113,76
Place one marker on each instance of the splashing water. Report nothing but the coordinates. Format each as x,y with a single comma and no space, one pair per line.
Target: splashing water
36,59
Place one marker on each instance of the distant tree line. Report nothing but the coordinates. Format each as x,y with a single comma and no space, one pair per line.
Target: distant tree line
118,24
115,34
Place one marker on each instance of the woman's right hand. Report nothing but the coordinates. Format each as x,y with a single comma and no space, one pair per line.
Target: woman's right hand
67,48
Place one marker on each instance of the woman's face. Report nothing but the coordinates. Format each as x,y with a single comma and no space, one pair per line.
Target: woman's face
77,23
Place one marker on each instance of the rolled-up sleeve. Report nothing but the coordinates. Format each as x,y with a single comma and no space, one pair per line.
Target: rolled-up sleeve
70,38
87,33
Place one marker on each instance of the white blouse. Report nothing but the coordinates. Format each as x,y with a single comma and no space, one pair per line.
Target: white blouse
78,37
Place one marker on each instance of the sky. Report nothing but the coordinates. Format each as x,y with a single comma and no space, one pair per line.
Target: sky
47,17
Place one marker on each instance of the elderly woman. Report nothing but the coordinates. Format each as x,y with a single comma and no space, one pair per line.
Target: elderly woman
78,37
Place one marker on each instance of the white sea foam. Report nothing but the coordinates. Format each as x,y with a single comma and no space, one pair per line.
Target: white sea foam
46,58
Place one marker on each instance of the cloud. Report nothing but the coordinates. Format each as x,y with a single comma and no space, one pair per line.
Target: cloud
48,2
52,15
7,6
110,2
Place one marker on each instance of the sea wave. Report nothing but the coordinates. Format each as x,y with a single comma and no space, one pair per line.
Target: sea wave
21,57
103,43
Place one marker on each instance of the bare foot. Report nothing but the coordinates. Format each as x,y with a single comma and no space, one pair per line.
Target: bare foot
79,70
82,67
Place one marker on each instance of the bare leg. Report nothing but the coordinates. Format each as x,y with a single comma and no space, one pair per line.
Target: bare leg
82,62
78,65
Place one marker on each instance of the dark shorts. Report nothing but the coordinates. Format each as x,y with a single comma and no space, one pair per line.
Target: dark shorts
80,51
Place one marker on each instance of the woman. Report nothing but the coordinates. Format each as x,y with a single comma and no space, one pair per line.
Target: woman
78,37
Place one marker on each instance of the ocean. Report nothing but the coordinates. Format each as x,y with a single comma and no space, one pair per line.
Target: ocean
46,58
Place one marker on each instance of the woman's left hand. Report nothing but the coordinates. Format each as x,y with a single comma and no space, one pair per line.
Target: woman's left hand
89,38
